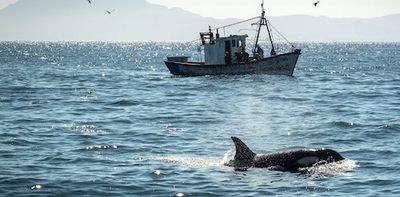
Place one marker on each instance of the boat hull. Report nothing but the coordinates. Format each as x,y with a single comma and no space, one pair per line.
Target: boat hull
283,64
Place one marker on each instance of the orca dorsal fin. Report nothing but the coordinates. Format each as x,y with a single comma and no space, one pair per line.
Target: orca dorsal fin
244,157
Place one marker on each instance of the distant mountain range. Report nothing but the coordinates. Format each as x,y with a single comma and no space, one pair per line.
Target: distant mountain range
51,20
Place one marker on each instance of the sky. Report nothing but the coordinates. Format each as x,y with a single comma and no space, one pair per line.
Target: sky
5,3
249,8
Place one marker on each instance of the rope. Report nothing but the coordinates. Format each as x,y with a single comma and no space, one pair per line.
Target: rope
237,23
223,27
280,34
198,39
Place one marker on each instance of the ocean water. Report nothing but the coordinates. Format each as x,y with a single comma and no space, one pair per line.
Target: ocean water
107,119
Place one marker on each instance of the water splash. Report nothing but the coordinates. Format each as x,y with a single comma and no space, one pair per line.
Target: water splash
191,161
228,156
332,169
199,162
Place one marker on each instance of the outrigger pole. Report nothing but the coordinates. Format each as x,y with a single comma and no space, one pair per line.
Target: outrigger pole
263,21
237,23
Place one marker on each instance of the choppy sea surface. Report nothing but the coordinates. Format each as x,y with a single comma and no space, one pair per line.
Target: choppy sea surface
107,119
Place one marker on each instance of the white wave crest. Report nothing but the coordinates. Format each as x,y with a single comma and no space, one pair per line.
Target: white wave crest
190,161
332,169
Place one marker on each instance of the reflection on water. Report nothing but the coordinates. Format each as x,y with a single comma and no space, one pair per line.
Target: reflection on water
107,119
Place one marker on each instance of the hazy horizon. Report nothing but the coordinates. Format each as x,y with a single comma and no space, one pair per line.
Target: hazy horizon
326,8
139,20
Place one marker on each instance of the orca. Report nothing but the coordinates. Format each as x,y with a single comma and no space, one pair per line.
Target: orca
292,160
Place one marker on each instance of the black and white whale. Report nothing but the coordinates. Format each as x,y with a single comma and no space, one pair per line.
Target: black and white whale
292,160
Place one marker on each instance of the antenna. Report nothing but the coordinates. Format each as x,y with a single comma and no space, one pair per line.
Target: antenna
262,8
262,5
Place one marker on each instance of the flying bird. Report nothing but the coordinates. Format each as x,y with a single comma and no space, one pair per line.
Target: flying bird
109,12
316,3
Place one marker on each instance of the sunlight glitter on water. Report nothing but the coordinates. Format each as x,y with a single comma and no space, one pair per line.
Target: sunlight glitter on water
123,95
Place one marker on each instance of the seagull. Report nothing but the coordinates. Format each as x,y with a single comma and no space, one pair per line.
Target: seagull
109,12
316,3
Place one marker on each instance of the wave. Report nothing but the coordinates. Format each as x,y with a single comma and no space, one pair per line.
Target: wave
84,127
344,124
125,102
331,169
283,98
99,147
199,162
391,127
190,161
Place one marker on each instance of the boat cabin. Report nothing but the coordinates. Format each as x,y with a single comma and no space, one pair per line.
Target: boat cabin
223,50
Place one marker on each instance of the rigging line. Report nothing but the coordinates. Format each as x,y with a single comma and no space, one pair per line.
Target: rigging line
281,34
223,27
247,30
255,35
198,39
273,36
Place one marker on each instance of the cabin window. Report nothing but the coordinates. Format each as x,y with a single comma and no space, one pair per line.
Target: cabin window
240,43
233,43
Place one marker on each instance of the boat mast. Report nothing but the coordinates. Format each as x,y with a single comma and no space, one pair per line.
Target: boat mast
263,21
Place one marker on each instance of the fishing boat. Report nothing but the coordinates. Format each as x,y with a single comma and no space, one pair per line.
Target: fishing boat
228,56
